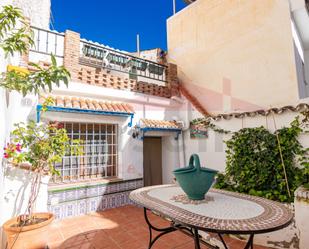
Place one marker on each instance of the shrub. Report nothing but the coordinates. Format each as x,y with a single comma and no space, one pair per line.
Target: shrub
254,164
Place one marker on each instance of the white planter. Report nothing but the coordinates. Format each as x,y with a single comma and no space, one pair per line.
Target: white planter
16,192
302,216
281,239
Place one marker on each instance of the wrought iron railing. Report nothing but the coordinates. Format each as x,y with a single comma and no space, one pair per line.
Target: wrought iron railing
48,42
137,68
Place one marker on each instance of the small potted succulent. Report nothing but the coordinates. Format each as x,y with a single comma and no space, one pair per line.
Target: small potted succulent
35,147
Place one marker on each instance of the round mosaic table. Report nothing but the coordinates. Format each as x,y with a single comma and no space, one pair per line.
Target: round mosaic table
222,212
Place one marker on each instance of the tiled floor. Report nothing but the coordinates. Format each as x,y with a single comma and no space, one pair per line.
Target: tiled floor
116,229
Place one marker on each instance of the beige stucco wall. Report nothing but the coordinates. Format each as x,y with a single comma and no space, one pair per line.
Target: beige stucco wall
245,43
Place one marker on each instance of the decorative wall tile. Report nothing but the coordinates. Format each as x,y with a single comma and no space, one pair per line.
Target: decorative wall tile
88,199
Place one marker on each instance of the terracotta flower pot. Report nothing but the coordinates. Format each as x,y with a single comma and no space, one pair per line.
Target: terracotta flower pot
32,236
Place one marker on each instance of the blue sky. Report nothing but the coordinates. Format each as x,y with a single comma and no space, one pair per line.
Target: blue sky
116,23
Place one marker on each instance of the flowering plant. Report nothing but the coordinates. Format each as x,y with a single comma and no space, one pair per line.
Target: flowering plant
12,150
41,145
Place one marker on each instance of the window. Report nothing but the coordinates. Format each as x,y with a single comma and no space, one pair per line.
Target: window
99,153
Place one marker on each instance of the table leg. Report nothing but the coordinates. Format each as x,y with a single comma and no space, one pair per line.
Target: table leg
163,231
222,240
196,239
249,244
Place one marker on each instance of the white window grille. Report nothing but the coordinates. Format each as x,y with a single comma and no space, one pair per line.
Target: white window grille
99,153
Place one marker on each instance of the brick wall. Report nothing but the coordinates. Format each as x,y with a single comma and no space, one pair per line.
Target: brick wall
71,53
172,79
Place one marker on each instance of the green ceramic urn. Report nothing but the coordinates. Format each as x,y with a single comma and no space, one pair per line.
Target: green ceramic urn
195,180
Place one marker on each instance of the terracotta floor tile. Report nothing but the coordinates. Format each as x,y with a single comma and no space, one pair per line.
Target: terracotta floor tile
120,228
70,231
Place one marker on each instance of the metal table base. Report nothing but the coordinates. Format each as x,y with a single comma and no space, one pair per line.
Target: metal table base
192,232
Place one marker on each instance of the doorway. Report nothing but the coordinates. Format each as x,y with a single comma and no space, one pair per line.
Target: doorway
152,151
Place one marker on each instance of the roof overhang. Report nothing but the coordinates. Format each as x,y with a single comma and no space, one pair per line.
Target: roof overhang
158,128
83,111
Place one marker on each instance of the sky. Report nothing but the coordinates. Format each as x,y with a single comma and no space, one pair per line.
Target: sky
115,23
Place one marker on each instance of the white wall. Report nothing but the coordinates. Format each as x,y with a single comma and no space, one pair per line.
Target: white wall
302,217
170,158
37,10
17,184
306,58
212,150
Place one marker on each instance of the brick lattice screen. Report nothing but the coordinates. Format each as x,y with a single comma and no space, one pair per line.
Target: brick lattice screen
101,77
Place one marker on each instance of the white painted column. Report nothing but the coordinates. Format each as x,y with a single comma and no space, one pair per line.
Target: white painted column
302,216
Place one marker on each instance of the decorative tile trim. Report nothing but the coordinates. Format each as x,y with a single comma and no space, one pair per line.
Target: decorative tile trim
79,201
83,185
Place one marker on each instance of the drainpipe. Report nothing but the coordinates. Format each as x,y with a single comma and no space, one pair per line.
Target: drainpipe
182,153
181,140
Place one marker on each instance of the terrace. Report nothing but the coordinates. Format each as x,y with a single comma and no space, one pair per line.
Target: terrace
131,134
118,228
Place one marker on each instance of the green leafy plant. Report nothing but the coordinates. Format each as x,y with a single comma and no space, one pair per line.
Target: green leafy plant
254,164
40,145
19,40
41,79
305,155
14,39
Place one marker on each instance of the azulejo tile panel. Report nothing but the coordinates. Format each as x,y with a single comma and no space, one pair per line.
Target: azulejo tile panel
82,200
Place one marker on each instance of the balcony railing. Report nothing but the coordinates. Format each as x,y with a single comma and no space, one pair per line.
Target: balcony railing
102,57
48,42
122,64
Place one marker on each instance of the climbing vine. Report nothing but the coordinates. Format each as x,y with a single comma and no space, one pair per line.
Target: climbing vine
255,166
206,122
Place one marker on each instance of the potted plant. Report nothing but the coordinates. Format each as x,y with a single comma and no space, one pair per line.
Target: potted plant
35,147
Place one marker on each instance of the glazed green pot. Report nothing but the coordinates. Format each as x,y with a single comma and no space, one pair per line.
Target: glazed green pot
195,180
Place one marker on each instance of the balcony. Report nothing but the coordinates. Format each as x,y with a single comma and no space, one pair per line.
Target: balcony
96,64
119,62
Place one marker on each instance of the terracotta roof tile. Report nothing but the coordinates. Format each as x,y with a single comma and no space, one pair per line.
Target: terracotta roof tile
88,104
151,123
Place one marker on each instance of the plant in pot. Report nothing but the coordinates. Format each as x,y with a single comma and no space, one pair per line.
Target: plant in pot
37,147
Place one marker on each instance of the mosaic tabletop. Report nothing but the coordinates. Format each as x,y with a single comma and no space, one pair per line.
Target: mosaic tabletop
222,211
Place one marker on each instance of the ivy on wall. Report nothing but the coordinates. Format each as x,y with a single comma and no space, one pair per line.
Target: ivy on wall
206,123
255,166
